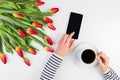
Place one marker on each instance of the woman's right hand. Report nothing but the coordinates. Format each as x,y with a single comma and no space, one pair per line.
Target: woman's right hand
103,62
65,45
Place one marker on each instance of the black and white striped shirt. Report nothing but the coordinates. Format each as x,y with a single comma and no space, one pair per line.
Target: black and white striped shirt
54,62
51,67
111,75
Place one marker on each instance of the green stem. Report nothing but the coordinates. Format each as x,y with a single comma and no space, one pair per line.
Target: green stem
5,39
38,41
8,4
11,27
8,49
46,14
23,22
14,40
1,50
11,20
30,46
7,30
28,40
40,33
4,10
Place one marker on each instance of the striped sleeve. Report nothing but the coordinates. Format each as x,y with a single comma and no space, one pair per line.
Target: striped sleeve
111,75
51,67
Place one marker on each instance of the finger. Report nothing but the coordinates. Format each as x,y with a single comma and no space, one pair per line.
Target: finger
102,56
63,38
100,53
100,63
104,59
69,38
72,44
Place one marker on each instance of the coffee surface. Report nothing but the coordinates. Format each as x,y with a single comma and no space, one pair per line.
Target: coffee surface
88,56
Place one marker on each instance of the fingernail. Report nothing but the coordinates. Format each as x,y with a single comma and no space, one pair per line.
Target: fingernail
73,33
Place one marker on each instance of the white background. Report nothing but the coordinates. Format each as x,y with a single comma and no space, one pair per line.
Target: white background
100,26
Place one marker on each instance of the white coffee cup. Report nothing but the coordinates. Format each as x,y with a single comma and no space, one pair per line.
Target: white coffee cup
78,54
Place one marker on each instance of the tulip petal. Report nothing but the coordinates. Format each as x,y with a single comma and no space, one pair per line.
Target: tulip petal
48,40
22,33
32,51
3,58
37,24
47,20
19,51
49,49
18,15
32,31
39,3
53,10
26,60
51,26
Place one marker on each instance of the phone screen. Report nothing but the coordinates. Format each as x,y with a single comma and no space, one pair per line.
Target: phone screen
74,24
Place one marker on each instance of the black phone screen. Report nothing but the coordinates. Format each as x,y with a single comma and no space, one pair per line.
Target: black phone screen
74,24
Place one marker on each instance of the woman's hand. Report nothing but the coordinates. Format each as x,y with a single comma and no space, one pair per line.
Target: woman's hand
65,45
103,62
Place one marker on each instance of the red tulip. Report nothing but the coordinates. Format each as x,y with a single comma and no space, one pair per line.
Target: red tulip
26,60
19,51
39,3
3,58
32,31
37,24
49,49
51,26
53,10
47,20
18,15
32,51
22,33
48,40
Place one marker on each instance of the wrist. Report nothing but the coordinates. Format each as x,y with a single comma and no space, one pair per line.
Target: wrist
105,70
58,55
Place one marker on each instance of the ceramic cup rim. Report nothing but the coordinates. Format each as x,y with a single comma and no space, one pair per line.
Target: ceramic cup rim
80,56
81,47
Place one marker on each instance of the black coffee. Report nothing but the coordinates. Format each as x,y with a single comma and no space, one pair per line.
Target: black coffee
88,56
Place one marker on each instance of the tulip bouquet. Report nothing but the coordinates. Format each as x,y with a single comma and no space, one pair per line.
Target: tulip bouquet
20,20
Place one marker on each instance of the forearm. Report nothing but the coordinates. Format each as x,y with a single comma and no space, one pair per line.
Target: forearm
51,67
111,75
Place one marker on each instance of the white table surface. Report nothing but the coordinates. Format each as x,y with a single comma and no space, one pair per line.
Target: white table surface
100,26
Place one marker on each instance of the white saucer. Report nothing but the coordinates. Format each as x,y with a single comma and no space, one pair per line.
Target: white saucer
77,56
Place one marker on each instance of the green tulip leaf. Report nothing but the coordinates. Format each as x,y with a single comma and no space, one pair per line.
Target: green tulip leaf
26,11
28,40
20,39
6,39
4,10
1,49
1,24
8,49
36,40
11,20
8,5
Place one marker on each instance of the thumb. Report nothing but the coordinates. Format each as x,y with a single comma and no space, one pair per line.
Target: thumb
100,63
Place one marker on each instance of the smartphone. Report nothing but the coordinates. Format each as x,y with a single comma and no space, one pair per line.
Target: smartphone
74,24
